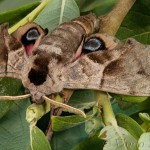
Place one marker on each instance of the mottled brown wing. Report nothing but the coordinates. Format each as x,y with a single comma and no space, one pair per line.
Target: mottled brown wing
13,57
10,54
124,69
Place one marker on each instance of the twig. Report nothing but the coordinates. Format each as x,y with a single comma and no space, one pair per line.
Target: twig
112,21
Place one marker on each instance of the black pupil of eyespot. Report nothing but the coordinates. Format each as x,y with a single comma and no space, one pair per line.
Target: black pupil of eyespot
93,44
32,34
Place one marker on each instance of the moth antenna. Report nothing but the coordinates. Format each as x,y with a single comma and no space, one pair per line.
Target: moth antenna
12,98
65,107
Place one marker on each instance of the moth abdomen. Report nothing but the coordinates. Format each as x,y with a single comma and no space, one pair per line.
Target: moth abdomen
67,37
90,23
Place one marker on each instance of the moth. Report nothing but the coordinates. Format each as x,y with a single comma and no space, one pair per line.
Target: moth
74,56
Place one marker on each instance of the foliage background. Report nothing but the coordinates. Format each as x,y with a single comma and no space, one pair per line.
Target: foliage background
14,130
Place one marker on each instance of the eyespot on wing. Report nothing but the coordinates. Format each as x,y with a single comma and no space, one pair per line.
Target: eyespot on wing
107,40
30,36
93,44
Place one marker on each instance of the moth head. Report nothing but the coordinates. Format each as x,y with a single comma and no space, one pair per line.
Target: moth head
41,75
30,36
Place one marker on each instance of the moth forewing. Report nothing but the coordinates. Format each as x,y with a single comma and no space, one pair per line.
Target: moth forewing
12,51
3,50
88,69
30,36
123,70
13,58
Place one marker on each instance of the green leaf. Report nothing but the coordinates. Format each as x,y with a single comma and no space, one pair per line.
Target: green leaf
98,5
80,3
56,12
92,143
67,139
13,16
104,7
60,123
4,107
6,5
130,125
93,125
144,105
11,87
63,123
34,112
145,117
127,108
14,129
143,143
38,140
118,140
146,121
137,23
82,99
128,98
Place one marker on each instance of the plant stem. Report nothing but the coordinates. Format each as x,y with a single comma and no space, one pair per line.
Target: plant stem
112,21
30,17
108,114
104,103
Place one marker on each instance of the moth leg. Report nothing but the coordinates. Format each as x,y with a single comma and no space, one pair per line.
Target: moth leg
57,110
65,107
53,112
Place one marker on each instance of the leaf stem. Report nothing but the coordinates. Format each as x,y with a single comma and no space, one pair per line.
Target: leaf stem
30,17
104,103
108,114
31,139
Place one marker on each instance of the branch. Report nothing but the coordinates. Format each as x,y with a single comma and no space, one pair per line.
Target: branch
112,21
104,102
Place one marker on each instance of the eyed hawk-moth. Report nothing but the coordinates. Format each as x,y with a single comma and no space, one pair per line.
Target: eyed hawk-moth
74,56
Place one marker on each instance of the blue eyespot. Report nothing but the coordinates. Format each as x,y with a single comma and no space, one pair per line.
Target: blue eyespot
30,37
93,44
32,34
